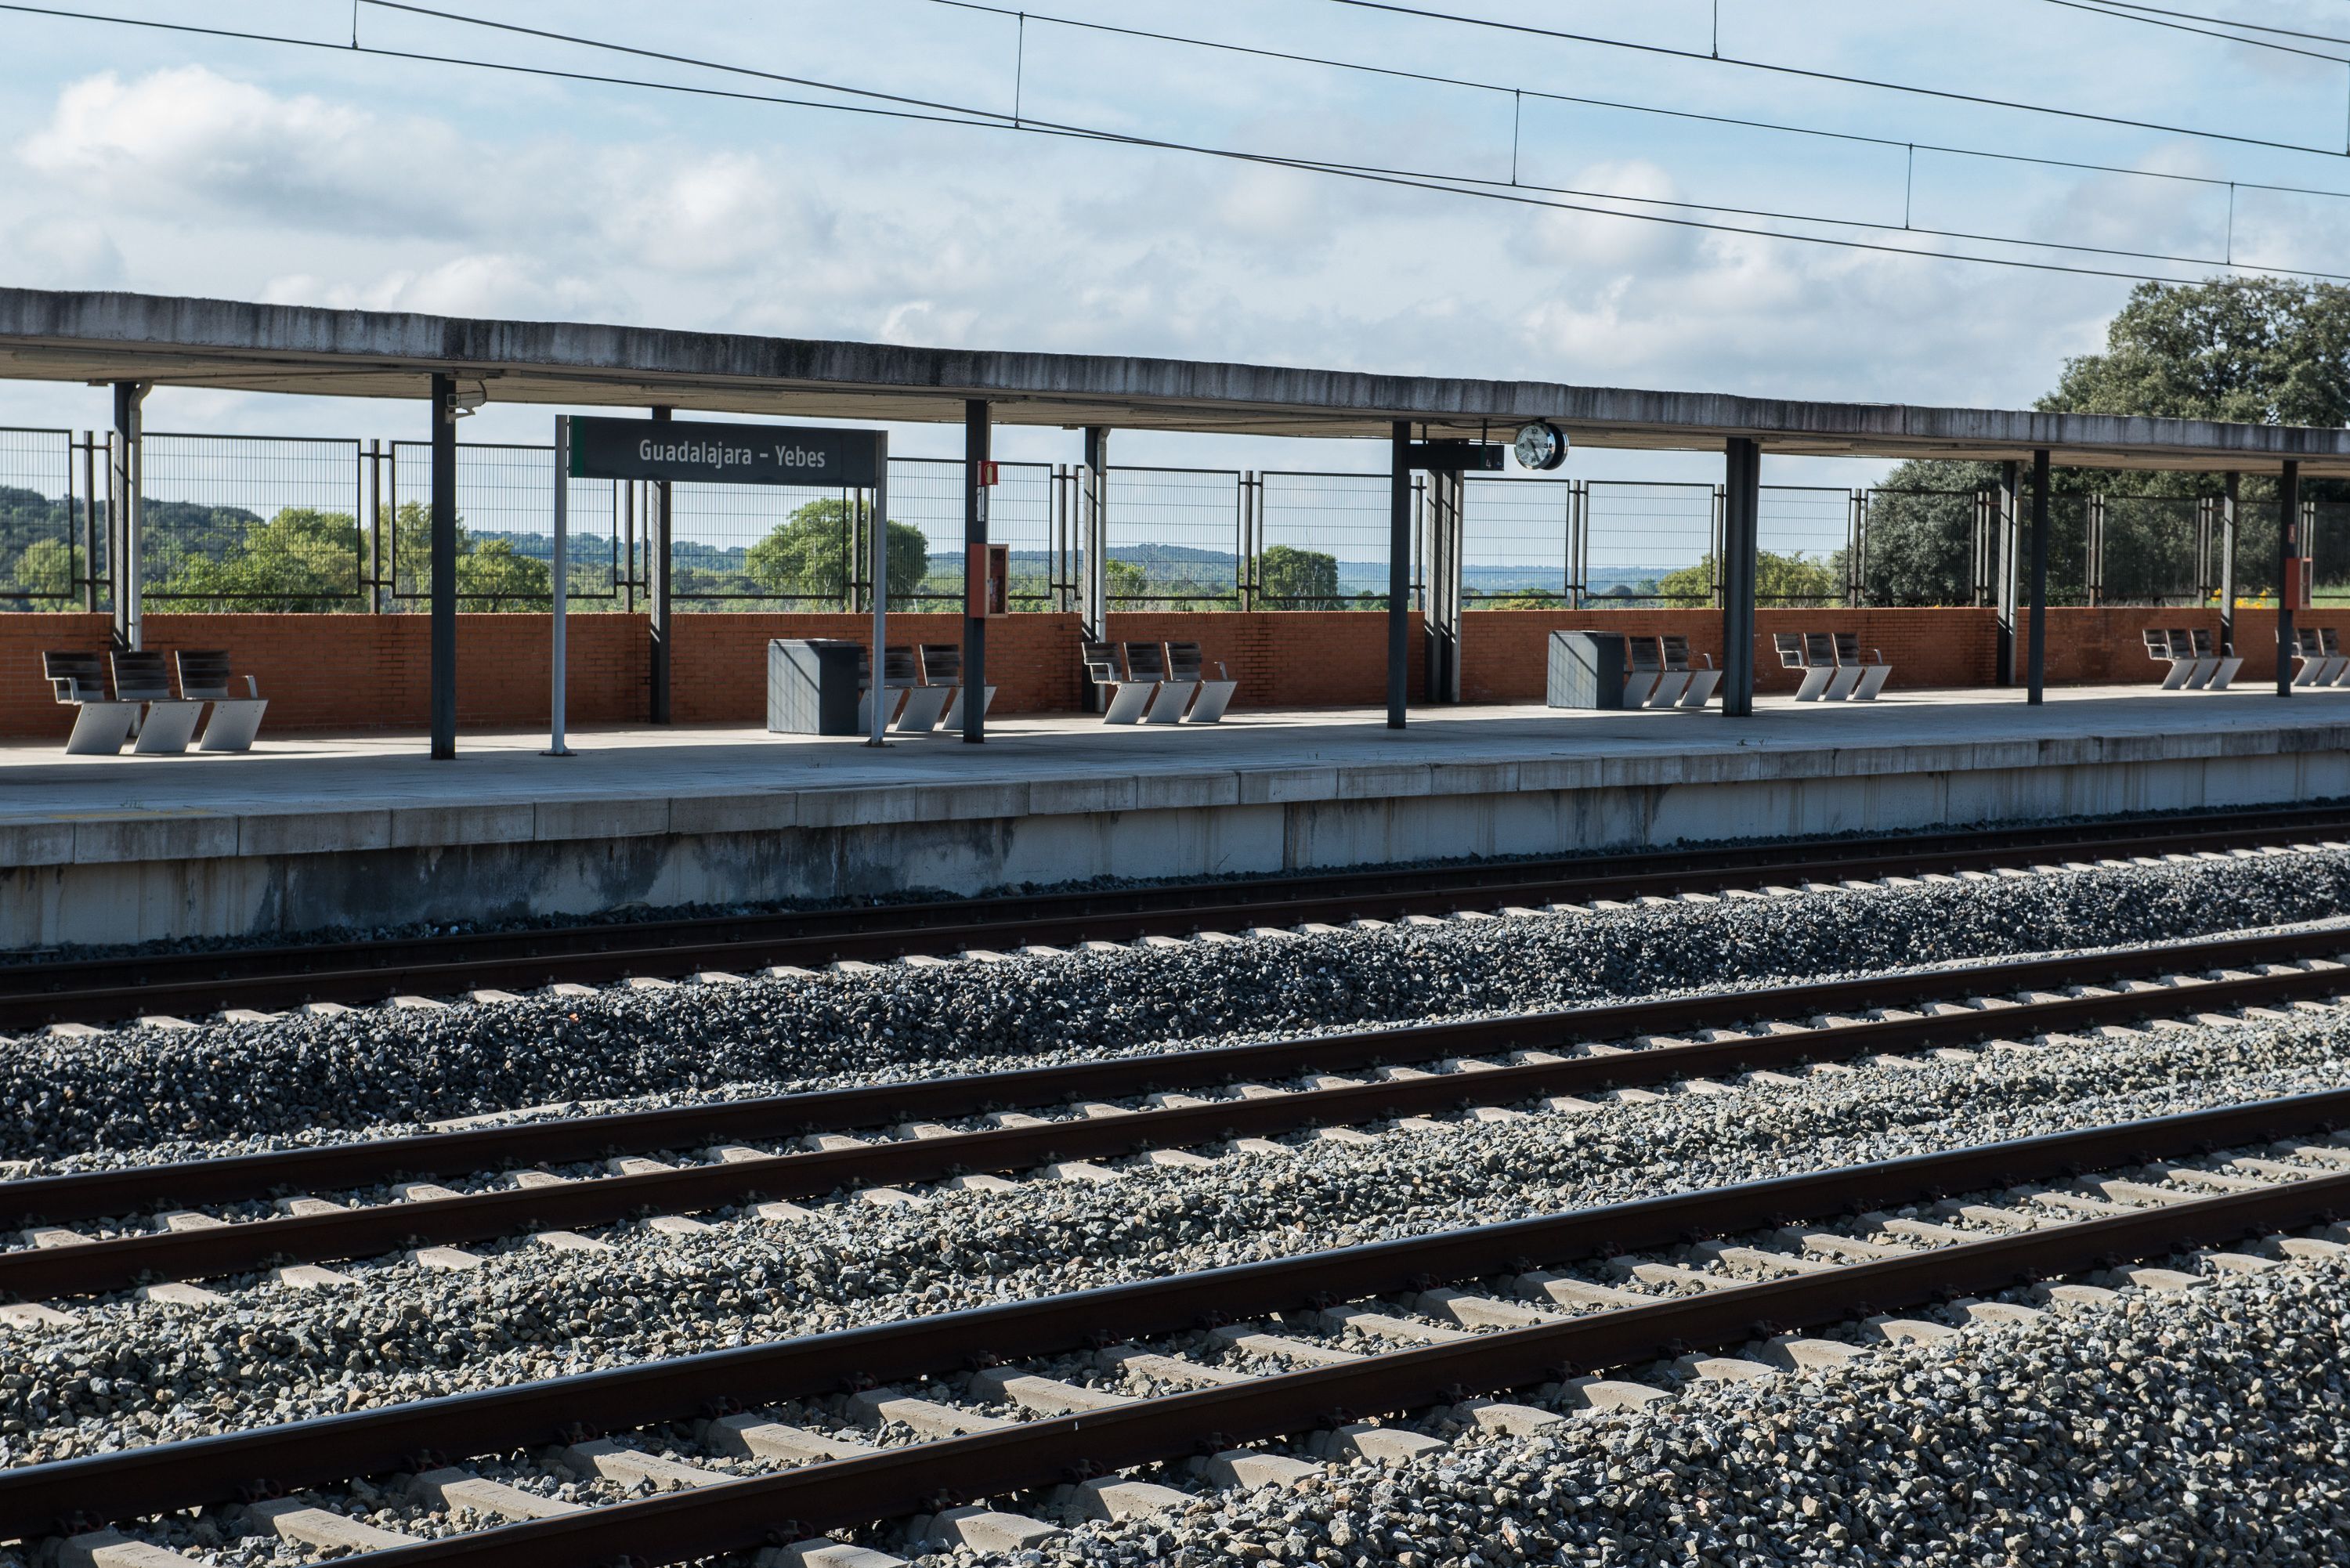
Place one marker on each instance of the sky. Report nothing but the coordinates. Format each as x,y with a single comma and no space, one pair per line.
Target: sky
174,163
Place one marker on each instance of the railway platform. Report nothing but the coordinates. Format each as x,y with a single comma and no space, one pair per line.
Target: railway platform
314,832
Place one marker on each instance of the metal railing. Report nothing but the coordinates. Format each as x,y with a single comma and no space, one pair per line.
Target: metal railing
331,524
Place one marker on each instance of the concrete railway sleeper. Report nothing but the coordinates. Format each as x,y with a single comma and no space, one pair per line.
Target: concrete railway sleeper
170,988
1126,1401
1169,1118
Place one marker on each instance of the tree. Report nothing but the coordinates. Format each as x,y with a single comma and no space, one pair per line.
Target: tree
1778,580
806,556
492,576
299,560
1126,582
1298,579
44,571
2262,351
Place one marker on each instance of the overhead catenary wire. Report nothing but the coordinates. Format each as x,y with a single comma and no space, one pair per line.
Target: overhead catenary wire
904,107
1809,73
1427,179
2150,16
2124,5
1520,91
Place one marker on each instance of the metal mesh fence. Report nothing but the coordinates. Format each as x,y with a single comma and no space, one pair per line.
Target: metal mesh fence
1173,537
771,545
1920,547
2145,550
1321,540
1521,545
251,521
505,521
926,494
1808,527
44,519
296,523
2325,540
1650,543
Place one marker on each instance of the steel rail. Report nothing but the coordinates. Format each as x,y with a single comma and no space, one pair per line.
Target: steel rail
118,1262
796,1503
101,990
70,1494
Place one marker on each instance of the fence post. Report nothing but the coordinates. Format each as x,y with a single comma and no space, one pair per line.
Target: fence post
1855,561
90,521
1719,521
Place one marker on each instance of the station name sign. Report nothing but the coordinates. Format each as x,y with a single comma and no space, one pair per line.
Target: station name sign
702,451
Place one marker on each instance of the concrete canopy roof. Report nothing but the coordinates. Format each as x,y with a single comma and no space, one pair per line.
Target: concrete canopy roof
92,336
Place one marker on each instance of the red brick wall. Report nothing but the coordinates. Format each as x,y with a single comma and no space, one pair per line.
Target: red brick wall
330,672
1505,653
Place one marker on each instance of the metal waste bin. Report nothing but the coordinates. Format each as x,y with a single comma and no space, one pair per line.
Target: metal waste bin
812,686
1587,670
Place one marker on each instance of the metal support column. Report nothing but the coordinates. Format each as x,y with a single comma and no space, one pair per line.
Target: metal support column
2005,576
657,572
443,637
975,585
1092,536
2038,674
2288,539
1741,511
124,465
1399,574
2228,564
1446,535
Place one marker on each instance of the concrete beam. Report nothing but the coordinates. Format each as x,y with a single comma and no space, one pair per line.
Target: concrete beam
87,335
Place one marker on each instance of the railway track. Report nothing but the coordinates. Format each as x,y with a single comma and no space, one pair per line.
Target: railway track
880,1140
171,987
1133,1398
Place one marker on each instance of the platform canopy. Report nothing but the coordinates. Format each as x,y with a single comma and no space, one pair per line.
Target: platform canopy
98,337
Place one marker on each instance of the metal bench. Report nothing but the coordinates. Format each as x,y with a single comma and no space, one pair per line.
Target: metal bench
101,723
1873,671
2181,661
236,720
169,723
2338,662
1670,683
1147,662
1790,648
943,668
1184,663
1643,668
900,674
1123,698
2225,662
1702,680
1820,652
2314,669
918,713
2201,662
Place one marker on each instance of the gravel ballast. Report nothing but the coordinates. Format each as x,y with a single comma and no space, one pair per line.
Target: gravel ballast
176,1090
133,1372
2206,1426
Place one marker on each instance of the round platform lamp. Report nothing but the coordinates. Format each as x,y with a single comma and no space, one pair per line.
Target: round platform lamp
1541,446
